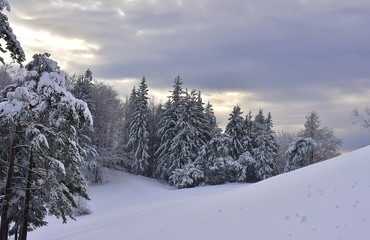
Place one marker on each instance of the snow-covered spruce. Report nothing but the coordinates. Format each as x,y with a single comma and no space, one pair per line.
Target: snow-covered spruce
139,132
264,147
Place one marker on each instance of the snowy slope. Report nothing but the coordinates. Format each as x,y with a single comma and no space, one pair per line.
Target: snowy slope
329,200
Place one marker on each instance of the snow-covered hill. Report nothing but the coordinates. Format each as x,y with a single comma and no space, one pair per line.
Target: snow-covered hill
328,200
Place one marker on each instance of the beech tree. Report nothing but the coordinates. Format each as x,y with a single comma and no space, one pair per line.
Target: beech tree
284,139
362,119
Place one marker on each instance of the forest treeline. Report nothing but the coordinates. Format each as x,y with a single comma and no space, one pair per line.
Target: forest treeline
180,142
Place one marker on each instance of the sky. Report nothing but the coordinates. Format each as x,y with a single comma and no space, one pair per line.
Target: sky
286,57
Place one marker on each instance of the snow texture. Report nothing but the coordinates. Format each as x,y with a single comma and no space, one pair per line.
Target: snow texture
327,200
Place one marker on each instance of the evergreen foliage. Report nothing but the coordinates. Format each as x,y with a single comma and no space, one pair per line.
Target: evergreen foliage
6,33
139,135
82,89
236,129
264,146
45,156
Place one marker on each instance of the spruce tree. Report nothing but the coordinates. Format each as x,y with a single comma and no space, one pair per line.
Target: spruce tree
183,130
236,130
264,146
189,136
210,119
139,135
215,158
166,132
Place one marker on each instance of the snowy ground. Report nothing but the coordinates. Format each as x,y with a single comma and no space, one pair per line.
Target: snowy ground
329,200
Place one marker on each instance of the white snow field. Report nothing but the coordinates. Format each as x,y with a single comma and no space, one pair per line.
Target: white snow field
329,200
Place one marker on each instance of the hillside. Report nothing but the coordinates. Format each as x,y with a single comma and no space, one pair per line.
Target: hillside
328,200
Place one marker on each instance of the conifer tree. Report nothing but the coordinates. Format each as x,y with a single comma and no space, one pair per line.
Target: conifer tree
189,135
183,130
264,146
6,33
236,130
166,132
215,158
210,119
82,89
45,157
139,132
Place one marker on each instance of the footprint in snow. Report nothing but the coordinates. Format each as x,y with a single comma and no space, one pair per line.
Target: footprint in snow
303,219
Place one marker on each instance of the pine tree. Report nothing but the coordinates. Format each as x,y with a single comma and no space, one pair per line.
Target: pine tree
139,132
45,157
6,33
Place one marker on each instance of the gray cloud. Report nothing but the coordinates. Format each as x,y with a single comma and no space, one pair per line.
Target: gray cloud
296,54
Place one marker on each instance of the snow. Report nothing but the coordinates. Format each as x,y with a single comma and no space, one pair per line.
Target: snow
328,200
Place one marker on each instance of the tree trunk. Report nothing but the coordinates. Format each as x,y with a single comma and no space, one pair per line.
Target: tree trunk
27,200
4,227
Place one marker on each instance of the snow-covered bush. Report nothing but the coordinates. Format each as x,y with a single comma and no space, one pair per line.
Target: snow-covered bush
298,153
82,206
219,172
245,168
189,176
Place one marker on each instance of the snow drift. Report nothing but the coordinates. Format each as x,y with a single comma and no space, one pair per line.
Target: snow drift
328,200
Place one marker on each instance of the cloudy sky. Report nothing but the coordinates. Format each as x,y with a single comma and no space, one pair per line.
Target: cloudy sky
287,57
